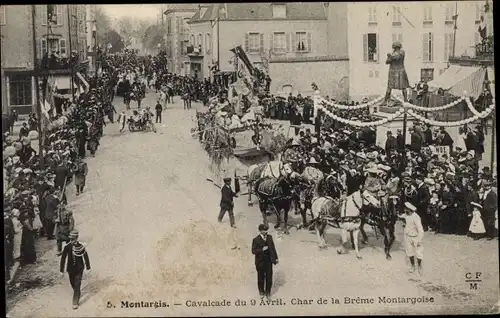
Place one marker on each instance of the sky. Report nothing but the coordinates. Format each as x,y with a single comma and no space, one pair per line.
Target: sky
138,11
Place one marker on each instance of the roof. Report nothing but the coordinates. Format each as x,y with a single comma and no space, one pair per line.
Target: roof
181,7
460,79
262,11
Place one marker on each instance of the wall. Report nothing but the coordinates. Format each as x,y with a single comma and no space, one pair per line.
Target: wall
412,28
17,38
232,34
337,29
327,75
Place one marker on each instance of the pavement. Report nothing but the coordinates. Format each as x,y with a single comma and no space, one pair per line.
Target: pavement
148,218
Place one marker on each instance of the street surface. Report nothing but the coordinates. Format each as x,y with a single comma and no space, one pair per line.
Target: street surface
149,219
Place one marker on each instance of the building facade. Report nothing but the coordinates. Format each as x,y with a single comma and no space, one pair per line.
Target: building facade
17,58
177,36
425,29
271,34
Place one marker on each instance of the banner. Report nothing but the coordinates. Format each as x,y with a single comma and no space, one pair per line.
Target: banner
443,150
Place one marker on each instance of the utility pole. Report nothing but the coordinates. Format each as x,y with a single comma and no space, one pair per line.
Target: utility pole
403,150
455,18
36,68
70,26
493,141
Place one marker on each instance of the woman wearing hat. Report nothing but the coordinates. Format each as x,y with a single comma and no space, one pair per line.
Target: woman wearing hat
398,79
447,222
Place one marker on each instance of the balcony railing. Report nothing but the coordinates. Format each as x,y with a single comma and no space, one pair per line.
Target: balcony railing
55,64
194,50
485,49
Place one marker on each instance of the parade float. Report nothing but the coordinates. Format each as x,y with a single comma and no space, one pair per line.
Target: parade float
236,127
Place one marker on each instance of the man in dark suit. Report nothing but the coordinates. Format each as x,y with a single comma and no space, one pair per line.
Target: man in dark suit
490,205
78,260
422,201
265,256
226,201
390,143
399,140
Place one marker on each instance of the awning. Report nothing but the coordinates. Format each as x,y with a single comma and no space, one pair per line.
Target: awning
459,79
491,78
63,82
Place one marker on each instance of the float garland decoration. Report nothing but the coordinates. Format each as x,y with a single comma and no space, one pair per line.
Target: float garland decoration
429,109
483,114
359,123
360,106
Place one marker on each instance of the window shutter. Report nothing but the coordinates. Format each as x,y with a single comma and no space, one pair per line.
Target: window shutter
261,43
271,42
246,42
394,37
178,25
365,47
294,41
59,10
288,42
43,14
43,46
431,53
425,47
378,49
62,46
446,47
309,42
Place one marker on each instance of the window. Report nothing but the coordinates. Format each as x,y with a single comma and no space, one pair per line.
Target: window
372,15
302,42
477,38
448,46
169,26
208,43
183,48
427,74
279,11
253,42
428,14
2,15
192,40
370,74
396,15
449,12
397,37
370,47
43,47
200,42
376,74
53,46
279,42
62,47
20,89
428,47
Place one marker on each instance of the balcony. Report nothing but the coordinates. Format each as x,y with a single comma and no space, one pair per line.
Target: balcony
54,65
193,50
485,55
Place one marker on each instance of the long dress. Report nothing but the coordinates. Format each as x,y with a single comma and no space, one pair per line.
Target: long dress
28,252
398,79
447,219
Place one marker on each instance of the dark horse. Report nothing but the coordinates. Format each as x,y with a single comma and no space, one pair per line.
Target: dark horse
384,219
328,186
274,193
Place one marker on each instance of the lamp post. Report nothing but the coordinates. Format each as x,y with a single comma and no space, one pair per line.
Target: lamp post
70,52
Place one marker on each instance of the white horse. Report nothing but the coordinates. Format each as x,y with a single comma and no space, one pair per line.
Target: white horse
345,215
273,169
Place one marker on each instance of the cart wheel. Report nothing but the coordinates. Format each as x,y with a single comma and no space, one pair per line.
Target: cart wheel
232,142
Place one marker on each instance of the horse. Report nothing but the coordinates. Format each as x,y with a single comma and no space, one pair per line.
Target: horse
274,193
345,214
273,169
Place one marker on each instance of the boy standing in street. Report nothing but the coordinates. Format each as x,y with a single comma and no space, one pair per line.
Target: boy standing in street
413,236
158,109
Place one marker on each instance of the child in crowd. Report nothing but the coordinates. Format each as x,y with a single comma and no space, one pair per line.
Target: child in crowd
476,228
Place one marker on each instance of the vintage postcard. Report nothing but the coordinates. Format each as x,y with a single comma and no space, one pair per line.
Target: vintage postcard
249,159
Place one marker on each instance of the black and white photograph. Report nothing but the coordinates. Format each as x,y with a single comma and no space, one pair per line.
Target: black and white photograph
249,159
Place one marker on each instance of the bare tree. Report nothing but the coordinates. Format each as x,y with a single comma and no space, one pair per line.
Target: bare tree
103,25
126,29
